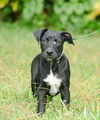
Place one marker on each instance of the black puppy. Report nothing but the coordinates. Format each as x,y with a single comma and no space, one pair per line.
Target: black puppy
50,71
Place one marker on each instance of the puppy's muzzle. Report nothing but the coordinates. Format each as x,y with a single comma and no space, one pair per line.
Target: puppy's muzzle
50,54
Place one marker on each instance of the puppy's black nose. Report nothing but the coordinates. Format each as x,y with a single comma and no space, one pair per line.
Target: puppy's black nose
49,53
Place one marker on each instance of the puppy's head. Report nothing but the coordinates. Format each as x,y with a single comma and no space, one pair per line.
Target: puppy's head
51,42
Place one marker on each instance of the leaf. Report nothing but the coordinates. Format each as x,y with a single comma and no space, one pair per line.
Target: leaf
29,10
95,12
68,8
39,6
3,3
14,5
79,9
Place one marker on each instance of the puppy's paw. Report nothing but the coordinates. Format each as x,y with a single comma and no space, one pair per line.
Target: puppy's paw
40,114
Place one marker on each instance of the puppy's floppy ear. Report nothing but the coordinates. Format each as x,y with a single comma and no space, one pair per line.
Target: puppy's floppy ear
39,33
67,37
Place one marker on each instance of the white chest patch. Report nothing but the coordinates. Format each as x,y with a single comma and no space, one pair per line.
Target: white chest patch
54,83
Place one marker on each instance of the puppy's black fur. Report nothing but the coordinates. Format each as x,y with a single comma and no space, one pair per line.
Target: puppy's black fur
51,63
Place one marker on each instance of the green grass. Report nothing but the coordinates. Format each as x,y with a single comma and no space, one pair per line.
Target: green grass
18,48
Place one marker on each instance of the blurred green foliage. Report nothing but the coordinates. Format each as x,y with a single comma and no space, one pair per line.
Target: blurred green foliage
60,14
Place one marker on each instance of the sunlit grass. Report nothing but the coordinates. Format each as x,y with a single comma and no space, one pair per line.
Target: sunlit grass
17,49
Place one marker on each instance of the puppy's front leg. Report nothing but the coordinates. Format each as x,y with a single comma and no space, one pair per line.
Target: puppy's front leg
41,101
65,95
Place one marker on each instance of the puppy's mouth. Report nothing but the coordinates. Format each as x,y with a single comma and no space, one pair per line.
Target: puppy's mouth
49,59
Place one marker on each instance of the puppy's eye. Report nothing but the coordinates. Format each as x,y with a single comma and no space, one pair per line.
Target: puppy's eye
43,40
59,42
47,39
55,41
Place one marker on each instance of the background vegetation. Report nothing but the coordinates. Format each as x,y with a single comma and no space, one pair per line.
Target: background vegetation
18,19
73,15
